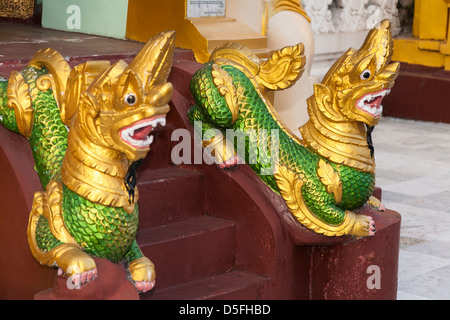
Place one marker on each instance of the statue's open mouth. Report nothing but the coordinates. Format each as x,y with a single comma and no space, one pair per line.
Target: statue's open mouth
371,103
138,135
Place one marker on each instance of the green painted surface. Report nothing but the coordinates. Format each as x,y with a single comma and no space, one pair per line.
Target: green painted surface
99,17
212,110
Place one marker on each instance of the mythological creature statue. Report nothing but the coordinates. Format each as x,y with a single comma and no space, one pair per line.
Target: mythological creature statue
328,175
89,206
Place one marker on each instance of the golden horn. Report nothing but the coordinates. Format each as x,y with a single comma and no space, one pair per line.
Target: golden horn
379,42
152,64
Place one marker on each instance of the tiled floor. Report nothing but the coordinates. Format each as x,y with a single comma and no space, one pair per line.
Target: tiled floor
413,170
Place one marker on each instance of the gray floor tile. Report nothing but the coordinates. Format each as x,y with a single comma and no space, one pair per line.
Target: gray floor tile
413,170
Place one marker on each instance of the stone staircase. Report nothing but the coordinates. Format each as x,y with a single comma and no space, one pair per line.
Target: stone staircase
212,233
194,252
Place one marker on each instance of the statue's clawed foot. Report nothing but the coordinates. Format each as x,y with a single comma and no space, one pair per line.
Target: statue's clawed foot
144,286
364,226
75,263
376,204
143,274
81,278
230,163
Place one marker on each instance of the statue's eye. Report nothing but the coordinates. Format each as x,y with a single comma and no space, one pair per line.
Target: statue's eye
130,99
365,75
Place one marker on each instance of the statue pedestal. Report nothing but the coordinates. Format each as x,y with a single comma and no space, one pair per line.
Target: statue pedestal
430,101
364,269
110,284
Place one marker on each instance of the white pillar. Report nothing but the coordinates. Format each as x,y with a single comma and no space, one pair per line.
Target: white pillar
249,12
287,28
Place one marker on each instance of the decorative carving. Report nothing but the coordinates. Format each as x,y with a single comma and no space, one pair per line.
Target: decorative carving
89,206
330,174
330,180
291,188
338,99
283,68
58,69
224,84
343,16
19,99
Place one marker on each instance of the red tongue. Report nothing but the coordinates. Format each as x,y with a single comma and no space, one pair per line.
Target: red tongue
376,102
142,133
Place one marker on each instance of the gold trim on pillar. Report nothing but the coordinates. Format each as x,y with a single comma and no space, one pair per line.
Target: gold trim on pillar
290,185
275,6
290,5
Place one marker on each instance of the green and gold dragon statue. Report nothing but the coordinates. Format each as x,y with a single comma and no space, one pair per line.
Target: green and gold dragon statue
89,206
328,175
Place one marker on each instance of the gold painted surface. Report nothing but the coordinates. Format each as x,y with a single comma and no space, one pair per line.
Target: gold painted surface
51,201
279,71
97,158
201,35
220,148
94,172
283,68
142,269
91,98
243,57
432,19
67,256
330,179
226,88
165,15
99,102
290,185
22,9
337,129
59,71
19,99
337,126
79,79
375,203
407,50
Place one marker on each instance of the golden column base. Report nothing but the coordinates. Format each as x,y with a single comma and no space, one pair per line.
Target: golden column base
201,35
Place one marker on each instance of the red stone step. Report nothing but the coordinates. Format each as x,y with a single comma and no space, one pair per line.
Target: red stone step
233,285
189,249
160,154
169,195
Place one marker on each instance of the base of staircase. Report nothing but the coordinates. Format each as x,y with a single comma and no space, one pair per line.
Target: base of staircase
235,285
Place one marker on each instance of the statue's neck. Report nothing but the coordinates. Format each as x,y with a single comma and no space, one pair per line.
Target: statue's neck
337,139
95,172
